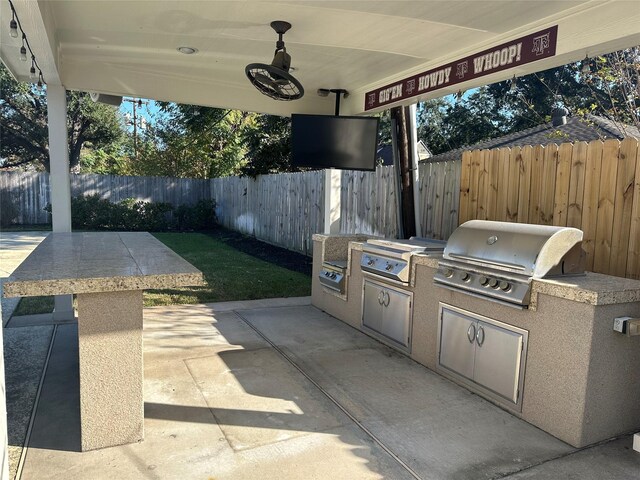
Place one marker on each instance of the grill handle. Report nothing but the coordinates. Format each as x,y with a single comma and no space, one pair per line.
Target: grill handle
471,333
485,261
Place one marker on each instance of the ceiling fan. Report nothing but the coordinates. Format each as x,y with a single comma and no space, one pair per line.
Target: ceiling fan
274,80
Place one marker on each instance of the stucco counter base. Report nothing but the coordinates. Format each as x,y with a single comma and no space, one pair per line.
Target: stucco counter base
111,368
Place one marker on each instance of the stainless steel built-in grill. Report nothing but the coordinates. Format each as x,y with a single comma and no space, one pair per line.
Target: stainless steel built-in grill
391,258
332,274
387,306
498,260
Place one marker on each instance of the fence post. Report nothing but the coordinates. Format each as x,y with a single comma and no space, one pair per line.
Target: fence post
332,185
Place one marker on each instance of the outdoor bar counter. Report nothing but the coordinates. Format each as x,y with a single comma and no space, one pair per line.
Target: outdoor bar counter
581,382
108,272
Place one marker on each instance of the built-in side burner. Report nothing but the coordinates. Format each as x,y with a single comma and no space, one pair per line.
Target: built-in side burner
333,274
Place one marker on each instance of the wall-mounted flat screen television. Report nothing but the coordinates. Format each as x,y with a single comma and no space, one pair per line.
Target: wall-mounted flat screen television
323,141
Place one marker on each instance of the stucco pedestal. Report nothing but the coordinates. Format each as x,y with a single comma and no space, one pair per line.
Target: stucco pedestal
111,368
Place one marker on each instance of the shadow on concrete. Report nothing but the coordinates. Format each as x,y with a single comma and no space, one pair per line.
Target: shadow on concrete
57,422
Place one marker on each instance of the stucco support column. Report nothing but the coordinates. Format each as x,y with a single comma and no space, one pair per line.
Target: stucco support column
59,179
332,186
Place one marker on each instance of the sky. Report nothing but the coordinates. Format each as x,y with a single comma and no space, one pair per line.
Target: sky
150,110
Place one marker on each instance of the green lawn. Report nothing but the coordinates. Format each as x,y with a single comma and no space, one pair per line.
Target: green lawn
230,275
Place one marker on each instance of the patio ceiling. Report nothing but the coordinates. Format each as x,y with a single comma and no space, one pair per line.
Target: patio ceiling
129,47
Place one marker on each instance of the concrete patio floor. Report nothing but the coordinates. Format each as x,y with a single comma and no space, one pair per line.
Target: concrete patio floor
278,389
14,248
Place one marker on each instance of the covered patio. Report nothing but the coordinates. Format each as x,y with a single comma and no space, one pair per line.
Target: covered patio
279,389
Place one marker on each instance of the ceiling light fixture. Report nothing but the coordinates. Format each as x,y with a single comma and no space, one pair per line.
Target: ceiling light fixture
32,70
187,50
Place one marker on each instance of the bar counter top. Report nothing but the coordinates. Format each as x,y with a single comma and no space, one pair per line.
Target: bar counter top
91,262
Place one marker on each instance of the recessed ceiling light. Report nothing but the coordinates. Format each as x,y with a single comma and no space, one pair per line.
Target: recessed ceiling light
187,50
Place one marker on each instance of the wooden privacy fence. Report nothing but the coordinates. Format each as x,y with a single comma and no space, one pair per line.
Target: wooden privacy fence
30,192
439,198
284,209
368,202
591,186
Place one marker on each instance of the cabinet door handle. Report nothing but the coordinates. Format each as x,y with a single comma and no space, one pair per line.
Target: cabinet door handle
381,297
386,300
480,336
471,333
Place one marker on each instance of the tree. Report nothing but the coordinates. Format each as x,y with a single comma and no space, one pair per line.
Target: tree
192,141
24,137
268,143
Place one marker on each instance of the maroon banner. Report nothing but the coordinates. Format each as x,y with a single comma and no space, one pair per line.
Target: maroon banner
520,51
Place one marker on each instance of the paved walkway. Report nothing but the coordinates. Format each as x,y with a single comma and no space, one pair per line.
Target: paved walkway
278,389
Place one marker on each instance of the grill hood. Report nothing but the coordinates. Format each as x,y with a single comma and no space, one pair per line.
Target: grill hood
534,251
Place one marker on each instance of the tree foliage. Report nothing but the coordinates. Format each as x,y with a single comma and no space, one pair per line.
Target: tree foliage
268,144
24,137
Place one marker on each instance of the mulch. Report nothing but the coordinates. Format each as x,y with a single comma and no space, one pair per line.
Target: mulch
265,251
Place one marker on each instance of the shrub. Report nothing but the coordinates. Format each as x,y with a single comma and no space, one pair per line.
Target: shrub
201,216
8,211
94,213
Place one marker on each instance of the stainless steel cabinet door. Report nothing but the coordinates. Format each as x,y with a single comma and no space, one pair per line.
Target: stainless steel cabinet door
372,308
457,342
498,355
396,318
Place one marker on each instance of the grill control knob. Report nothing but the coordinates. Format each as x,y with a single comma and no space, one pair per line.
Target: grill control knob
371,261
465,277
483,280
493,283
447,272
333,275
506,286
388,267
326,274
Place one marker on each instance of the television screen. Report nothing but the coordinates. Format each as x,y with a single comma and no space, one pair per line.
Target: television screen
323,141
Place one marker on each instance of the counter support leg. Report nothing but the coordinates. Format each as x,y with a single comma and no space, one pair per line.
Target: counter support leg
111,368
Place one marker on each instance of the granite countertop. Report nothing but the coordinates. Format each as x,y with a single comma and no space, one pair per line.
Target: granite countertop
592,288
91,262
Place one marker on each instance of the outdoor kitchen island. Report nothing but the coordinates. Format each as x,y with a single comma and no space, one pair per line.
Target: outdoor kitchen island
576,378
108,272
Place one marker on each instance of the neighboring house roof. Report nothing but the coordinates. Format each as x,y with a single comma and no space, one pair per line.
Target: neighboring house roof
576,129
385,153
